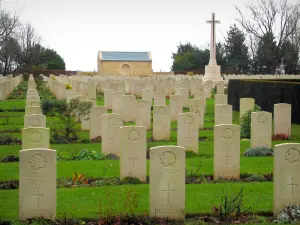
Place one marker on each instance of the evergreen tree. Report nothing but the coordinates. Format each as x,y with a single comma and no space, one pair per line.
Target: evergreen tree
51,60
267,56
236,51
189,57
290,57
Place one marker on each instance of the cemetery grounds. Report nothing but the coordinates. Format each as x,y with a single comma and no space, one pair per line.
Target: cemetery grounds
88,190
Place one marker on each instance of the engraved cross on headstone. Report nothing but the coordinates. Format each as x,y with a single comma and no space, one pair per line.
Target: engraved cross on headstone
212,59
227,156
292,184
133,158
261,138
38,194
168,191
188,136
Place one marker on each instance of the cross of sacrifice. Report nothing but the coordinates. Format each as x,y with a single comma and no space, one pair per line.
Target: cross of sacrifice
213,22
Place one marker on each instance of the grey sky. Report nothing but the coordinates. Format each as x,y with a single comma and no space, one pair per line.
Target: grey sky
77,29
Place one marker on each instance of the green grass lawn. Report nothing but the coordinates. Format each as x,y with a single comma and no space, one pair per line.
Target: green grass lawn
13,104
111,168
85,202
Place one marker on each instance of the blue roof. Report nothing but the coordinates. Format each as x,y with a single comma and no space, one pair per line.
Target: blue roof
125,56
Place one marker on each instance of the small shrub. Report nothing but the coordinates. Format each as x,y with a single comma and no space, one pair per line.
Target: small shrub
68,87
246,122
280,137
194,176
290,214
64,182
11,184
269,176
51,106
56,139
112,157
10,158
262,151
96,139
6,139
190,73
87,154
256,177
231,206
10,130
131,180
106,182
53,77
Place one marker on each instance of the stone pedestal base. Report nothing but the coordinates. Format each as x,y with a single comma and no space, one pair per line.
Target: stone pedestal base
212,72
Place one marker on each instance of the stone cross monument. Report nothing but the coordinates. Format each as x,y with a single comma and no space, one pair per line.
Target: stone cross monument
212,70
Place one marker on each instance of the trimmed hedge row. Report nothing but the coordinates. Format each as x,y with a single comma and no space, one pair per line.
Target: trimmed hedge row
266,93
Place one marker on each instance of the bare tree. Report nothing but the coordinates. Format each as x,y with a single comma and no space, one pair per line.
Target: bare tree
9,56
265,18
253,44
266,14
30,43
8,45
8,25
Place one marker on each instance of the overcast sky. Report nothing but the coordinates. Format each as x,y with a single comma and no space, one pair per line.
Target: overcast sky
77,29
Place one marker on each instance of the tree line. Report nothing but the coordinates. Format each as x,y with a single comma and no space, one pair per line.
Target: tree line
21,47
264,40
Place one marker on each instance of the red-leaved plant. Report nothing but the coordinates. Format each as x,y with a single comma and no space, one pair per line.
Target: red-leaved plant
280,137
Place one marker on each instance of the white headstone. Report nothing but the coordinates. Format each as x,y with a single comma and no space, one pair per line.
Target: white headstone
223,114
35,137
159,98
220,99
34,121
161,123
261,129
187,131
246,104
96,120
282,119
167,182
129,108
227,151
176,106
111,124
286,176
144,113
133,152
37,191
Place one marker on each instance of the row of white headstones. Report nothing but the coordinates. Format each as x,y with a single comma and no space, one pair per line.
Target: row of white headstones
167,163
7,84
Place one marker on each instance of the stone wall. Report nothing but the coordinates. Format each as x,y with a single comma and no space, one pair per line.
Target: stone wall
124,68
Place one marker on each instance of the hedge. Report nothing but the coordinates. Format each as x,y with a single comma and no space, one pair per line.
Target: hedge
266,93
